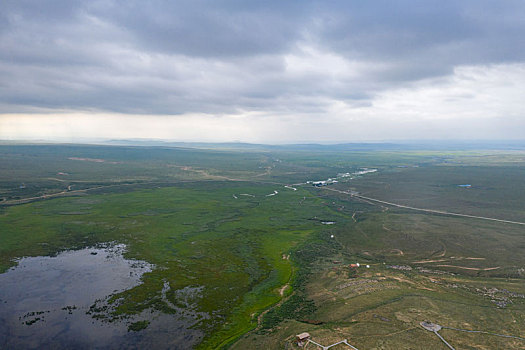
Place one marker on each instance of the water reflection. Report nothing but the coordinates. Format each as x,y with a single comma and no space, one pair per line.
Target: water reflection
43,304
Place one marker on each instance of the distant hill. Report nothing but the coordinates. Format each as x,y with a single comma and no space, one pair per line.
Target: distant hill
363,146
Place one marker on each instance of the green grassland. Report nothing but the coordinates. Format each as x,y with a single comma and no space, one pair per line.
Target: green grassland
183,210
497,191
381,307
462,273
197,235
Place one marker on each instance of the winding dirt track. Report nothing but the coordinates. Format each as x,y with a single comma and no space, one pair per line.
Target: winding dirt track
65,193
425,210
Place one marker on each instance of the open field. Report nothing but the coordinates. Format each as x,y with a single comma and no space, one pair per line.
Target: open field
197,235
496,191
252,262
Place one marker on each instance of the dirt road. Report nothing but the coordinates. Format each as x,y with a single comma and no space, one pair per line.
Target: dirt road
425,210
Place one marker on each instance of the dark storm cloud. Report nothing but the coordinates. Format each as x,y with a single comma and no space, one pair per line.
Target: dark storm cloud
426,38
174,57
212,28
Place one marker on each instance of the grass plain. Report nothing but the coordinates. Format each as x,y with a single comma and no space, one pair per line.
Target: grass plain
264,266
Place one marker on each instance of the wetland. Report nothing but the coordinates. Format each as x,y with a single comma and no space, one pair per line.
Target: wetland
175,248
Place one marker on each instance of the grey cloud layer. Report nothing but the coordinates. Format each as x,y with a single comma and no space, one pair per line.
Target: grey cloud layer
217,57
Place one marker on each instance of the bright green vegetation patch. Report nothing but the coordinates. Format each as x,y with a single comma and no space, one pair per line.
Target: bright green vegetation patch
221,258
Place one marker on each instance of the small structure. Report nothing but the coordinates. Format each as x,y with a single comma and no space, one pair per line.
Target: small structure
429,326
302,338
434,327
354,266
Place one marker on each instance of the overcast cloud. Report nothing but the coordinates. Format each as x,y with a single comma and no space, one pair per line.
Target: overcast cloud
272,71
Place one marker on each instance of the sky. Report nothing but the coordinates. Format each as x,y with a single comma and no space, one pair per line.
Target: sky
262,71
